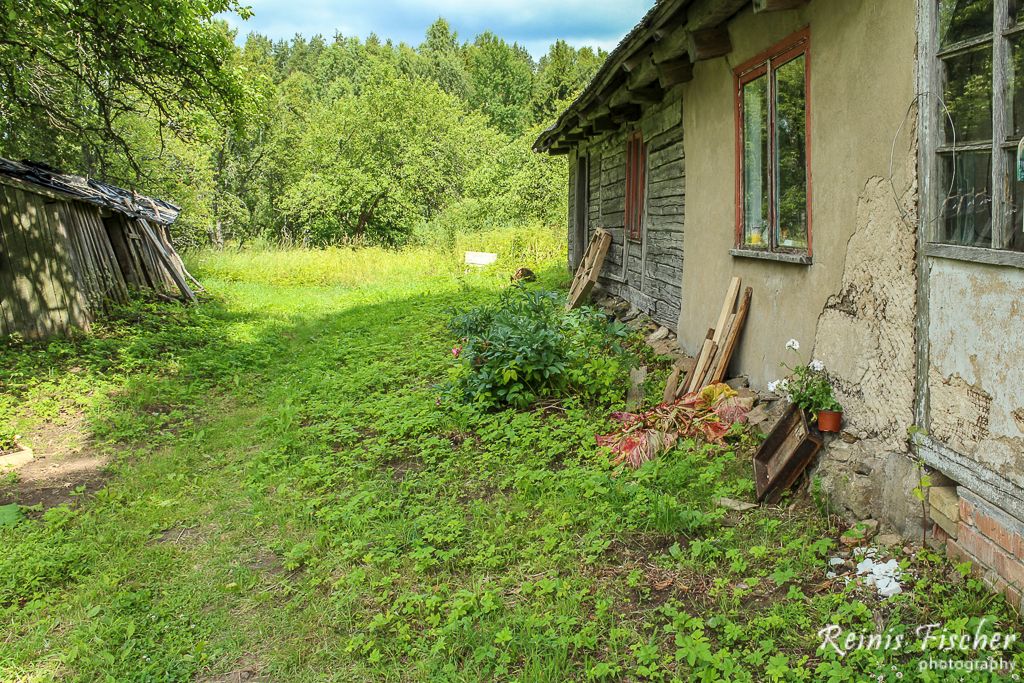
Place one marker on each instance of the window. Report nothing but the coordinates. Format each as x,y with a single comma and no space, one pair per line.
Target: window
636,184
772,155
978,47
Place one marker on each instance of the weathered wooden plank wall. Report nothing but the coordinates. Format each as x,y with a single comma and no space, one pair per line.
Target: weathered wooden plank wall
57,267
647,273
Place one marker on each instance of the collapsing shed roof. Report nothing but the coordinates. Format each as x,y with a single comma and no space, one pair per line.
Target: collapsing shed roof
657,54
92,191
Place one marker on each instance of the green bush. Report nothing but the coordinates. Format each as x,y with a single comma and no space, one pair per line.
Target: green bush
526,347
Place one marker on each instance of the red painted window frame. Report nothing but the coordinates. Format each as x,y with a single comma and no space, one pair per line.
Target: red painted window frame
636,184
778,55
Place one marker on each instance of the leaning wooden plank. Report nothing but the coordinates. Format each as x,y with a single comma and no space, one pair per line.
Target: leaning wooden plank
165,237
75,293
672,385
727,308
590,269
111,271
733,338
27,269
12,286
784,455
691,371
720,350
693,382
166,261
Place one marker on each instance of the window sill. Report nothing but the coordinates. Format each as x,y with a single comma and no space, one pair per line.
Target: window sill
778,257
995,257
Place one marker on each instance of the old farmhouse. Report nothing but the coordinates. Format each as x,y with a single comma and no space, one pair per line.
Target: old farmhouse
856,163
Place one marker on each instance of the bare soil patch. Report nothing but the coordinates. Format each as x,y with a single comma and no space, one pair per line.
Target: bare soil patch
64,462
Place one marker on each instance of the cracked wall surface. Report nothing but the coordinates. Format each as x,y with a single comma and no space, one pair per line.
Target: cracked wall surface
866,330
867,333
976,365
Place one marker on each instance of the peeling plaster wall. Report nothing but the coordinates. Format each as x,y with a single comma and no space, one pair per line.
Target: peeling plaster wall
976,364
866,330
862,68
855,307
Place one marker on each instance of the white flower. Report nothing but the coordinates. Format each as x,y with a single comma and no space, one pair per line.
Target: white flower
817,365
793,345
773,385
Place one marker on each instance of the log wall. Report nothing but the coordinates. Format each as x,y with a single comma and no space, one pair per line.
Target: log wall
647,273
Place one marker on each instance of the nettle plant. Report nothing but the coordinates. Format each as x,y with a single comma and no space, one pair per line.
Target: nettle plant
526,347
808,385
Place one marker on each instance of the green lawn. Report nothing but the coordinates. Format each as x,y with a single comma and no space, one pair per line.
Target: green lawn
294,493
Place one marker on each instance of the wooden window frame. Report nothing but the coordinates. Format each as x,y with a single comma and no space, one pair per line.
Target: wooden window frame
768,62
932,124
636,186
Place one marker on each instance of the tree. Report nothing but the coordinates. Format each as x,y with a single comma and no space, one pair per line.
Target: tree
501,81
82,67
561,75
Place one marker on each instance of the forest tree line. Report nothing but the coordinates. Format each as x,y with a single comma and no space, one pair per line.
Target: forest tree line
306,141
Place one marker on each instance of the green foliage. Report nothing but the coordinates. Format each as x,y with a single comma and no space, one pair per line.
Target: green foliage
286,496
8,437
526,347
305,142
808,385
85,67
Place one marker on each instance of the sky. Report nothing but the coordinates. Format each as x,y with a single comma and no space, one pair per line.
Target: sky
534,24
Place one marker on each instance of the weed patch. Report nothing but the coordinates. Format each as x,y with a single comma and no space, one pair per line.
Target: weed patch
288,499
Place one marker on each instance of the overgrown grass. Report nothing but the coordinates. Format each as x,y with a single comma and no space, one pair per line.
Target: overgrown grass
292,495
361,266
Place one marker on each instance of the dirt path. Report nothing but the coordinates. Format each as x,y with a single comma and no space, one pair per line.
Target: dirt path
65,465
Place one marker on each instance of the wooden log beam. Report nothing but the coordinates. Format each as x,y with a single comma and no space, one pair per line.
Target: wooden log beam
711,13
627,113
709,43
625,96
777,5
675,72
643,75
672,44
631,63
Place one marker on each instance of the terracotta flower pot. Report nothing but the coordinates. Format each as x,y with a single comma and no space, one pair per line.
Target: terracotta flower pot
830,420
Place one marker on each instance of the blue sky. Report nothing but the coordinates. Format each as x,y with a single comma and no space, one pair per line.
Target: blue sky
535,24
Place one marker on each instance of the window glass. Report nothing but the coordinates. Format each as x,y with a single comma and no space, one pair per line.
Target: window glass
791,154
1017,86
966,212
755,163
1015,232
968,94
963,19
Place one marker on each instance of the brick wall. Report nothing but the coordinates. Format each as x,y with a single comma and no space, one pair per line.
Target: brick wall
992,540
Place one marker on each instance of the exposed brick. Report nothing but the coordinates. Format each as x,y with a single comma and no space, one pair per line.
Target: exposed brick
1014,597
1019,548
939,534
995,531
957,554
977,545
1009,567
966,511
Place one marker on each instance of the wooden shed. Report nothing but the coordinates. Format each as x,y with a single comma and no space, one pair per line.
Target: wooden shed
70,247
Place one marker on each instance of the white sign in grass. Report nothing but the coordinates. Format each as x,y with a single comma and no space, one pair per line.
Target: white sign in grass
480,258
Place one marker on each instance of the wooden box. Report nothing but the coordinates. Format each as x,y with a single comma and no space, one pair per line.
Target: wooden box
784,455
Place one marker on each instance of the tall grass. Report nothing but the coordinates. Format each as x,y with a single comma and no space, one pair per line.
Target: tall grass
355,266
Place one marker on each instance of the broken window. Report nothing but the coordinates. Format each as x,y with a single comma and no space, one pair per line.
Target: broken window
636,185
979,51
772,183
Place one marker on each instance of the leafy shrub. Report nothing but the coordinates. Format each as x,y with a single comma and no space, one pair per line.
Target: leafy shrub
526,347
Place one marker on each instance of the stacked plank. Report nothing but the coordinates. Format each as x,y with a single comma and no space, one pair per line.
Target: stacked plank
720,343
589,270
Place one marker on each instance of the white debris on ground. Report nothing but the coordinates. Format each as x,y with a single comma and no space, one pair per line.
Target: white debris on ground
883,576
